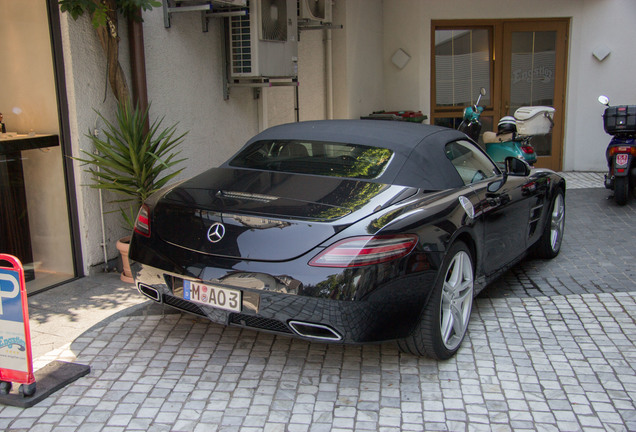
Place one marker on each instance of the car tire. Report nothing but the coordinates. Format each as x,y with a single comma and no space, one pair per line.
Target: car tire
444,320
621,190
549,244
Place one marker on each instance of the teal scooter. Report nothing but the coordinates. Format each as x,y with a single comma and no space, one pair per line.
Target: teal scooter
514,133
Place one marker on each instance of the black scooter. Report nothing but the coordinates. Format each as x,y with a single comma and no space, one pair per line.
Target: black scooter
620,122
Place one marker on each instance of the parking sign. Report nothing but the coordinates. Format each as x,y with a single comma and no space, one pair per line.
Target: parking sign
16,363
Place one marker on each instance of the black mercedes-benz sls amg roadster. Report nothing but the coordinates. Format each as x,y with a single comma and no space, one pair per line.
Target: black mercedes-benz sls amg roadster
347,231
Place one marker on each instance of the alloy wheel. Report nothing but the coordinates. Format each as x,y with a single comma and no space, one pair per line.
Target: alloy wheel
457,300
557,222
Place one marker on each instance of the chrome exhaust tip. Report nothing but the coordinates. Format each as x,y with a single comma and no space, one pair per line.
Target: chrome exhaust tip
314,331
149,292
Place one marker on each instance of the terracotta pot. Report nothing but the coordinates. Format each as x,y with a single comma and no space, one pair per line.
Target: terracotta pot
123,245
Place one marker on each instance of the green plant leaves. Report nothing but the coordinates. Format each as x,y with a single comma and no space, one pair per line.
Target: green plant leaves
133,161
99,9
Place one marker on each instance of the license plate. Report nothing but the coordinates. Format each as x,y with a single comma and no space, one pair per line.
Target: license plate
211,295
621,159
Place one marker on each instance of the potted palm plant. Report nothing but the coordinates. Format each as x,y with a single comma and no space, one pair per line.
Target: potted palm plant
133,160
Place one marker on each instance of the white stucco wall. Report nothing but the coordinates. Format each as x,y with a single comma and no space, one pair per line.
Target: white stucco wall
602,23
358,62
407,25
184,70
311,70
85,77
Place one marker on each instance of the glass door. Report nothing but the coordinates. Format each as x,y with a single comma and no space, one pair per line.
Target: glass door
463,65
534,62
518,62
35,220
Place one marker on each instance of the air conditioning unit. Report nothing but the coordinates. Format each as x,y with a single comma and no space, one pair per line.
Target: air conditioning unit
264,43
316,10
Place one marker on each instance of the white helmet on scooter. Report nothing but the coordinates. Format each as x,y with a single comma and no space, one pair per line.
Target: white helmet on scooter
507,124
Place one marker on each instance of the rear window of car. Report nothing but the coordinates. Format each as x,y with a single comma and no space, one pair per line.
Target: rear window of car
315,157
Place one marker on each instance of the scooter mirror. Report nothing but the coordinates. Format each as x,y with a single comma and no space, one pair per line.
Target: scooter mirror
604,100
482,91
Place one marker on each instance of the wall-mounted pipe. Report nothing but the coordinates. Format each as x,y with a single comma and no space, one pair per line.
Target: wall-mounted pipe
101,213
329,74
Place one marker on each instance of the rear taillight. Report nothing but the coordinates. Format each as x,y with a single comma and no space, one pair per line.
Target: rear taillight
527,149
622,149
142,224
366,250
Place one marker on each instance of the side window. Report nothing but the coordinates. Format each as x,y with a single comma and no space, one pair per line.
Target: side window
470,162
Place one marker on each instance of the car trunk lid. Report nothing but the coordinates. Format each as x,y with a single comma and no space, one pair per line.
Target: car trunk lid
261,215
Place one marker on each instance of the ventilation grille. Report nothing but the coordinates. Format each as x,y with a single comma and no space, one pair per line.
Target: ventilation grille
274,20
259,323
184,305
241,45
315,10
238,319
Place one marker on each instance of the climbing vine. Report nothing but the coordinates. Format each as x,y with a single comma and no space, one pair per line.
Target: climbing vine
104,19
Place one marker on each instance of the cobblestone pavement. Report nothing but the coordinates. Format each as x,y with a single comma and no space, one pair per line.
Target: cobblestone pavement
598,254
551,347
59,315
579,180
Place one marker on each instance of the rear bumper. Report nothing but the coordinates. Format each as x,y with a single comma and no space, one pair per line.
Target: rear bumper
387,311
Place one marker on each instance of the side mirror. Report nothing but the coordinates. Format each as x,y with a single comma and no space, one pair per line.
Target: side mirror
517,167
482,91
604,100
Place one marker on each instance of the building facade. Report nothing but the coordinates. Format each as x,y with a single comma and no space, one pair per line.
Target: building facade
387,55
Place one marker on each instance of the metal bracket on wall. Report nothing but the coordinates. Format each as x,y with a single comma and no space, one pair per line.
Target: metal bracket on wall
225,9
208,9
309,25
257,84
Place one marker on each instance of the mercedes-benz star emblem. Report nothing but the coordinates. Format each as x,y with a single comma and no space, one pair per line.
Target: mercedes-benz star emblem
216,232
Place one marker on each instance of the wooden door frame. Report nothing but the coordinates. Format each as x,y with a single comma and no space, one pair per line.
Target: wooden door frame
561,27
496,29
497,40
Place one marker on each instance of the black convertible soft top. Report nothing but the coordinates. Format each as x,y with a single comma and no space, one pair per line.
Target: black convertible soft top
419,150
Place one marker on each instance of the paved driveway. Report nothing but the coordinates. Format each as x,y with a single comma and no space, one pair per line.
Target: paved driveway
551,346
598,253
